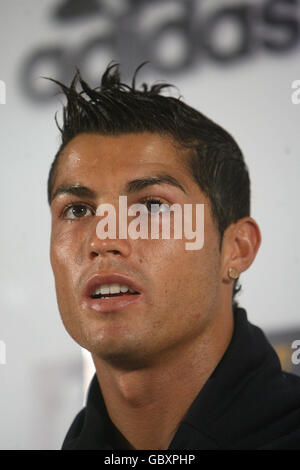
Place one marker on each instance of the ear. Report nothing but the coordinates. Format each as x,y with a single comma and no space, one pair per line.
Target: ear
240,244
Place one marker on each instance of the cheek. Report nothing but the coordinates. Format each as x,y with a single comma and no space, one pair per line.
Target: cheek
167,265
60,248
182,277
63,251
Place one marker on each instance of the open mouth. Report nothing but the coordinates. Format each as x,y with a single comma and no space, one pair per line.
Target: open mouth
108,291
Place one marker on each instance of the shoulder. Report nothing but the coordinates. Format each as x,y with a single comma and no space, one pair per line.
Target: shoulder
74,431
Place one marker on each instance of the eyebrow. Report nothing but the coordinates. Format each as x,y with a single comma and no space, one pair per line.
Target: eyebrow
75,190
140,183
131,187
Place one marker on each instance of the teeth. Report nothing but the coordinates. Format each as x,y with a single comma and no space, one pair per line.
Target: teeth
106,289
115,289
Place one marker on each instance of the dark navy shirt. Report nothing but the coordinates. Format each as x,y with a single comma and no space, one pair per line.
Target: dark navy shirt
247,403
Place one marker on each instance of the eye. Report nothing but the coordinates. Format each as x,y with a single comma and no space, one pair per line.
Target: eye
156,206
77,211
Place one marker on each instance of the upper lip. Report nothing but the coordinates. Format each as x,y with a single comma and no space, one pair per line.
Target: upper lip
113,278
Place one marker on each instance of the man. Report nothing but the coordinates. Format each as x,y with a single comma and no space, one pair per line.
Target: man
178,365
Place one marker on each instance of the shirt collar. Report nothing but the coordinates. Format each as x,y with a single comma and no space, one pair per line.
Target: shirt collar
233,385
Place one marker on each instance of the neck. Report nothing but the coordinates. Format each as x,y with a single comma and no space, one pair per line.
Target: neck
147,404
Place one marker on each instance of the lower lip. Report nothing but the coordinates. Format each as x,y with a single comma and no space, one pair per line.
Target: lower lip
109,305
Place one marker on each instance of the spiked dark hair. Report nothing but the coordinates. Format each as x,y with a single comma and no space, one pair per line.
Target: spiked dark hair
216,162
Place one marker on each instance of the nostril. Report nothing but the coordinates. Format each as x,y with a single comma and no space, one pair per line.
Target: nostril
115,252
94,254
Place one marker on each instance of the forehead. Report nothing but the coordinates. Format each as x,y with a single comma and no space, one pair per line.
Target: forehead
95,157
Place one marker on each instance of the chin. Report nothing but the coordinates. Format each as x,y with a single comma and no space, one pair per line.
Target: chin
125,357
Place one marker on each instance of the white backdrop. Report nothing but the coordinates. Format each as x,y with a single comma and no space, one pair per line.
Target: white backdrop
42,381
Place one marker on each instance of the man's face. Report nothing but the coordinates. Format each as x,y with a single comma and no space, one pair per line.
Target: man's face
179,290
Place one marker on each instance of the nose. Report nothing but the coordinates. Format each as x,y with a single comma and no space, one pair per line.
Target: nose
109,246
